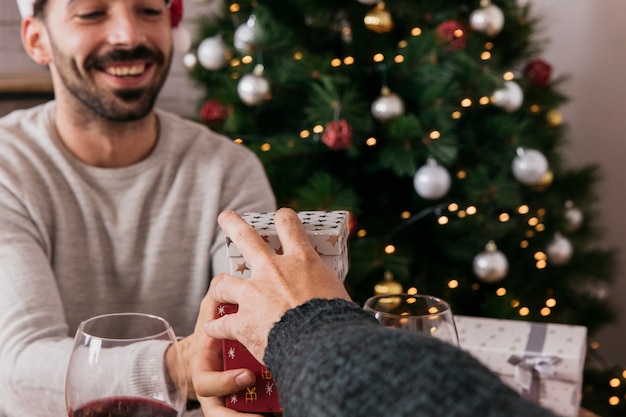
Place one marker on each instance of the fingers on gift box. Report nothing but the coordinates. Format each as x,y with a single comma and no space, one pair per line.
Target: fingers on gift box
328,233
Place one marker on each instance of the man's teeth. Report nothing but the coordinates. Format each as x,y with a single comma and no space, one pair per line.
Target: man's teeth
125,71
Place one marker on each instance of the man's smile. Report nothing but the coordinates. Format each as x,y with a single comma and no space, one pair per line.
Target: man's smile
125,70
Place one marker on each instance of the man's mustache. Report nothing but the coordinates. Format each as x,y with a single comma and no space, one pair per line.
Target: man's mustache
121,55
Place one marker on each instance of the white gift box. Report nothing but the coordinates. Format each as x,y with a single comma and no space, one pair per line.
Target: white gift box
327,232
542,361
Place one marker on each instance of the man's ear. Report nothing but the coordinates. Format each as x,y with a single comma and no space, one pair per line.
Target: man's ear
35,40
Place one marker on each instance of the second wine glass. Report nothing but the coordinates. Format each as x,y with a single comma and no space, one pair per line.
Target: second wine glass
418,313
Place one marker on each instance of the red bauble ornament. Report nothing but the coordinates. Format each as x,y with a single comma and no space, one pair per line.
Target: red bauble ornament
452,35
352,224
338,135
539,72
213,113
176,12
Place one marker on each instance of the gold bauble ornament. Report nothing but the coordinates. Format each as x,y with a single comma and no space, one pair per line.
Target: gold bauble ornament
388,285
554,117
378,19
545,182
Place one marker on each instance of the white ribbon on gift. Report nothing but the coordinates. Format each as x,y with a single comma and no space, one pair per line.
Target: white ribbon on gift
540,366
529,370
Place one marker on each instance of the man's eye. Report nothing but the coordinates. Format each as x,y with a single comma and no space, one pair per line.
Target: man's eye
90,15
152,12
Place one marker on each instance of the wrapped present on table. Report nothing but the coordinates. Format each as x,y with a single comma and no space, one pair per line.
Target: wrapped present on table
328,233
542,361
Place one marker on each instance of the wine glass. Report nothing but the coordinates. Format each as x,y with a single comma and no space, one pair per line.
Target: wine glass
419,313
119,368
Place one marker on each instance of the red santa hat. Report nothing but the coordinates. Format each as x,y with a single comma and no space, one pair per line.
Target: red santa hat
26,7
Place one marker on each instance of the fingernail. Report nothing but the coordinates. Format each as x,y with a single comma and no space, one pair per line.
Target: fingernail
244,379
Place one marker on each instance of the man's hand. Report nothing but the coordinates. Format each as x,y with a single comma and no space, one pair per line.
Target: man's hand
202,356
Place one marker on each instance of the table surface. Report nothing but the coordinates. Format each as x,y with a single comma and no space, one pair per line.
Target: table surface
586,413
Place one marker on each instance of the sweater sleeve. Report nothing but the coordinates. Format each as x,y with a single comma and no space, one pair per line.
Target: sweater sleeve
331,358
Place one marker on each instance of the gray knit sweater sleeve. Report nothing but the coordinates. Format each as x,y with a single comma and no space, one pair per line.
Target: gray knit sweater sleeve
331,358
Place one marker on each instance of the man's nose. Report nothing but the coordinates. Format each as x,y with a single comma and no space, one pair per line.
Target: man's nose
124,29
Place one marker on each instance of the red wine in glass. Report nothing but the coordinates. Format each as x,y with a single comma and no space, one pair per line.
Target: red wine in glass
124,407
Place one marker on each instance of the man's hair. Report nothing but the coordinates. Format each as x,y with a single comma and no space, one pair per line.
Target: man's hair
38,8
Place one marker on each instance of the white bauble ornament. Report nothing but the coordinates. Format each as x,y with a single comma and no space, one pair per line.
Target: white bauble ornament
246,34
181,39
529,166
573,216
253,89
431,181
370,2
490,265
560,250
212,53
190,60
510,97
387,106
488,20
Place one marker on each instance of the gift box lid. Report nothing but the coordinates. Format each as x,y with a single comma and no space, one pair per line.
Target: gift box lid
504,345
327,230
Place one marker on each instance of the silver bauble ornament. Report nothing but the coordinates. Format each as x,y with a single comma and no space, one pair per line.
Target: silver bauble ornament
488,20
387,106
431,181
560,250
598,290
574,217
246,34
212,53
529,166
490,265
509,98
254,89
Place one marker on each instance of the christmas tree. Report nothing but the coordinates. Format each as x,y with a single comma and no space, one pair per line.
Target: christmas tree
437,125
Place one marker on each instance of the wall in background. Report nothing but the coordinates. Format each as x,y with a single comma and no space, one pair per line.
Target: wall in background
586,42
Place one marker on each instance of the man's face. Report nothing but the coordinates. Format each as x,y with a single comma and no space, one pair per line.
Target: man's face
112,56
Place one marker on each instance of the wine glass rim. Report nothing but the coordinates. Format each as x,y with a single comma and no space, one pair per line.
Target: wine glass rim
166,325
445,306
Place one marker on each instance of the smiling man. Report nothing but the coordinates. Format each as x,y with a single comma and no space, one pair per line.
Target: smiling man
106,203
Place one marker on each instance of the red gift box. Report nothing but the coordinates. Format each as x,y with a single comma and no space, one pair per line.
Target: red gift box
328,232
262,397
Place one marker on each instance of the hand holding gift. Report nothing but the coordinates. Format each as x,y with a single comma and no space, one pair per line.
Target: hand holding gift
285,259
278,282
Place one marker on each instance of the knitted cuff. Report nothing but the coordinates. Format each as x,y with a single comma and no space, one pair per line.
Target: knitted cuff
306,319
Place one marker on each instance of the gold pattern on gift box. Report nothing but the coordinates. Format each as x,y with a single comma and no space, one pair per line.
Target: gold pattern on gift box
251,395
265,373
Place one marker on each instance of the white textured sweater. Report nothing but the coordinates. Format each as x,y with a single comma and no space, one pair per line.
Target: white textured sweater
78,241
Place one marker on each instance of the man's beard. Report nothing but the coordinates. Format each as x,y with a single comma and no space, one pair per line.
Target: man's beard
82,87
